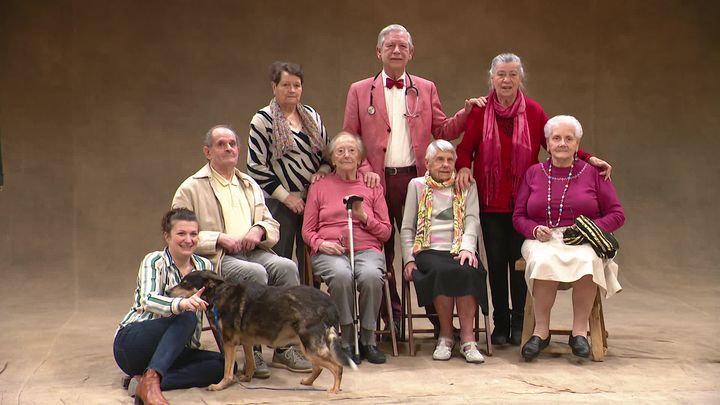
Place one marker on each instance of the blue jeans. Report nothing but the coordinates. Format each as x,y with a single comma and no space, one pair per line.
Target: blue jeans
160,344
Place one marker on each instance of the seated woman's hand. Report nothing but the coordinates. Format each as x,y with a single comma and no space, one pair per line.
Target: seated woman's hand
359,212
331,248
468,257
542,233
409,268
194,303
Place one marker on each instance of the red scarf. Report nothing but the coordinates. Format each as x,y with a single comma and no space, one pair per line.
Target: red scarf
521,152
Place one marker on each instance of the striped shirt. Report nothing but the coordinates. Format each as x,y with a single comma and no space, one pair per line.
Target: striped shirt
157,275
289,174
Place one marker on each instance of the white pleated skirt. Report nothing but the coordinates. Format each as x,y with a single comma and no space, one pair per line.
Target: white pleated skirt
556,261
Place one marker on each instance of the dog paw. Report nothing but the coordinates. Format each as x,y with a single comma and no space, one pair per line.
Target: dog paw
220,386
245,378
334,391
306,381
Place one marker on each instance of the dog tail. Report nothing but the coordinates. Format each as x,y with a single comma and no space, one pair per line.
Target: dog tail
340,356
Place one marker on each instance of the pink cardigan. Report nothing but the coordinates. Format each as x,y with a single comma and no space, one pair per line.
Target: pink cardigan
326,219
374,129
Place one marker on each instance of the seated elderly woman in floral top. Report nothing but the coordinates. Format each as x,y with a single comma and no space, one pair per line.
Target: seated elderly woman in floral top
439,239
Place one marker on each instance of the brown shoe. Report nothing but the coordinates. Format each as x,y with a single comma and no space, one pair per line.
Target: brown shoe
149,389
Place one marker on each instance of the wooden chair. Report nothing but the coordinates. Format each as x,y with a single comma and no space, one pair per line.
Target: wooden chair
315,281
597,332
407,310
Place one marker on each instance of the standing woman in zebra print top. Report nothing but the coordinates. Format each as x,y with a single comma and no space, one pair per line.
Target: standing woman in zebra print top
285,149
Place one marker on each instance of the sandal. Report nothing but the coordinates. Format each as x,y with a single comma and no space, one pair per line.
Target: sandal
471,353
443,350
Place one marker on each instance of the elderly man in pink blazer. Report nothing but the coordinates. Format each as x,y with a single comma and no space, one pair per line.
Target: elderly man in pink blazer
394,113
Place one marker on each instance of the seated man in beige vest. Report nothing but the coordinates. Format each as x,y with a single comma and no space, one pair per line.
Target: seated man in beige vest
237,231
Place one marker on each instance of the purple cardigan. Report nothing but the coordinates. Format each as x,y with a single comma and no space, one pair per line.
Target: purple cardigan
588,194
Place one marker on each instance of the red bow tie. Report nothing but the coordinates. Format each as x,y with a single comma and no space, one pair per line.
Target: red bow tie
390,83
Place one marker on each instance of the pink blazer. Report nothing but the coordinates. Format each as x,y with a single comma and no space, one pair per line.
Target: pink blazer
374,129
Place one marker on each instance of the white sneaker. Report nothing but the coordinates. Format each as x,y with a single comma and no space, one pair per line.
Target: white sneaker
443,350
471,353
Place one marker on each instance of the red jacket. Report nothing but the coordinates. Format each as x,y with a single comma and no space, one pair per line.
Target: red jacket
469,151
374,129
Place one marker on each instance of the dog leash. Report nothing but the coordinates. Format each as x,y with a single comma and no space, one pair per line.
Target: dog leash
280,389
216,315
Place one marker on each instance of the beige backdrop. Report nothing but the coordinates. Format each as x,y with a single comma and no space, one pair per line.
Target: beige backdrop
103,105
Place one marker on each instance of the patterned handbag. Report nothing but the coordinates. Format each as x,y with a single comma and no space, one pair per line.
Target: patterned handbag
585,231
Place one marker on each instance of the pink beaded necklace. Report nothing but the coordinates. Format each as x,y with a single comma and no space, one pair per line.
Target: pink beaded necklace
562,197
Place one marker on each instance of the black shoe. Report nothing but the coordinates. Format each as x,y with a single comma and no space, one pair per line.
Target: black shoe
350,352
580,346
501,332
516,328
534,346
372,354
515,336
387,336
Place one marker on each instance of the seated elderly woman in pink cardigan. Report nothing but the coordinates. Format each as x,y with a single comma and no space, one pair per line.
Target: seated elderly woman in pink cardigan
552,196
325,231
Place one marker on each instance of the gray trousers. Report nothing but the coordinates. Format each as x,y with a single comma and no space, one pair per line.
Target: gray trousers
261,267
290,233
337,274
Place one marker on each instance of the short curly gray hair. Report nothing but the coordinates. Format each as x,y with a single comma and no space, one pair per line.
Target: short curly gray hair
439,145
563,119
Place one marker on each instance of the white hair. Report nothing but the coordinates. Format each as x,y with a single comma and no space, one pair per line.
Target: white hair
341,136
506,58
393,28
563,119
439,145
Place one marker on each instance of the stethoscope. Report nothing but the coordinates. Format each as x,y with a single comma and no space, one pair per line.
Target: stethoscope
410,88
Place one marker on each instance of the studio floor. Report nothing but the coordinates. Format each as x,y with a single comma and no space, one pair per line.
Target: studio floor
663,348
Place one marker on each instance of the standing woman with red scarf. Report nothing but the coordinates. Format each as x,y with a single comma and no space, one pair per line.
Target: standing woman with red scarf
501,141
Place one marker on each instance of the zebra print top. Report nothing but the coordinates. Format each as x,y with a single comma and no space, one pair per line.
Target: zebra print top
289,174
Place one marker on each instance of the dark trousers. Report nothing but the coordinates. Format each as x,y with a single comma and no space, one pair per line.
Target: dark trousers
395,192
290,234
502,246
160,344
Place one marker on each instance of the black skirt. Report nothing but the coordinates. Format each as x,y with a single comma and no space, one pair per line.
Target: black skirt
440,274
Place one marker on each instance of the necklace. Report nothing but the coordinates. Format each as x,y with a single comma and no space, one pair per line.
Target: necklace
562,197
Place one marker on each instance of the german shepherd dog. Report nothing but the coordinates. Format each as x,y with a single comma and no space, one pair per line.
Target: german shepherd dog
252,314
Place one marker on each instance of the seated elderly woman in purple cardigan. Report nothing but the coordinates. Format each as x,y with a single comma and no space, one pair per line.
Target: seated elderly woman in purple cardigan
553,194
